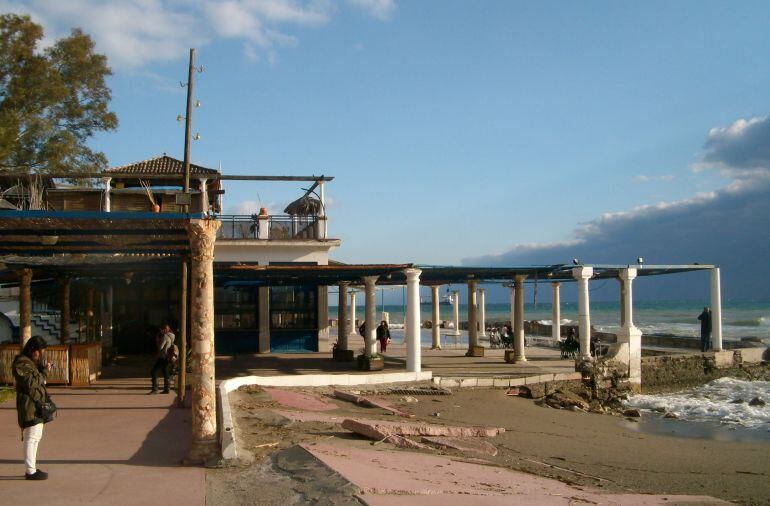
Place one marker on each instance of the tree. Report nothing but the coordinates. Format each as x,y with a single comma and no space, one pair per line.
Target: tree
51,101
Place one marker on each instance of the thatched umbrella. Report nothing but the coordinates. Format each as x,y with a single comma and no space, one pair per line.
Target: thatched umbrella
304,206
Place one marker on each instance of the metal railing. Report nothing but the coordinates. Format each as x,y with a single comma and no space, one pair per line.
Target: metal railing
243,226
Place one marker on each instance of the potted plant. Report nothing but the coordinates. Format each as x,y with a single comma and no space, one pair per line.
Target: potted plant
148,190
373,362
341,355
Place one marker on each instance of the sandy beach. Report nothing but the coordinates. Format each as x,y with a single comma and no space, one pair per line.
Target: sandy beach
585,450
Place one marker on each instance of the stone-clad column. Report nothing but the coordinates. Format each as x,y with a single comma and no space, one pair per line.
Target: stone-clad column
555,312
582,275
343,327
64,318
629,333
25,305
473,331
204,196
412,322
716,310
518,314
370,328
202,235
435,331
482,313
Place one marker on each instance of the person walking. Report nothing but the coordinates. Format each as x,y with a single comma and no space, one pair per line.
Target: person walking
705,329
165,342
31,400
383,335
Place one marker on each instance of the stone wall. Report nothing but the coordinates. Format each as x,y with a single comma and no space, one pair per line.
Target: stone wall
674,372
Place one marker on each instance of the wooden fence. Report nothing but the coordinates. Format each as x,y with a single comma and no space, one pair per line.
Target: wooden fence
74,364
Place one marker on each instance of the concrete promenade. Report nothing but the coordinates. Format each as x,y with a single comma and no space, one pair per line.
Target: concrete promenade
111,444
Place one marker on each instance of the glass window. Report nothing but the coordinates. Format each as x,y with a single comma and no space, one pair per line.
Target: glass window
235,307
293,307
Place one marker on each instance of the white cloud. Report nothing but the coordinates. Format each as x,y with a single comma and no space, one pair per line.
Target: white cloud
134,33
642,178
727,227
380,9
249,207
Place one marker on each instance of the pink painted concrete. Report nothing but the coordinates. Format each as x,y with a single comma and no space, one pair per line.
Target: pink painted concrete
395,478
306,416
300,400
111,444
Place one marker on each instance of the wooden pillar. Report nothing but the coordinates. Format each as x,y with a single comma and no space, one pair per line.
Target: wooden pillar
64,319
205,446
25,305
181,377
90,334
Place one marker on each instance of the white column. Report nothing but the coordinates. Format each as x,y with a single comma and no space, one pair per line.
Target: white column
323,230
435,330
370,328
353,327
518,326
482,313
622,284
473,331
343,327
456,312
716,310
582,275
555,312
629,333
204,195
106,204
412,323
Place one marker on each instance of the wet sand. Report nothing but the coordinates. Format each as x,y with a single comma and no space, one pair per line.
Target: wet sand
607,451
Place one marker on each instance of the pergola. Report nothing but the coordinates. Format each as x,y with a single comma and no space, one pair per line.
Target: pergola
110,245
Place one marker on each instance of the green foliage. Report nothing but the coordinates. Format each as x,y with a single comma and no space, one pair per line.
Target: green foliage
51,101
6,394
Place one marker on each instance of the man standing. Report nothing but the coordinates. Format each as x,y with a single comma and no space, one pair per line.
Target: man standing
165,341
705,329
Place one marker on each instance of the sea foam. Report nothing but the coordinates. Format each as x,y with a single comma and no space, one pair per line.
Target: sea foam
715,402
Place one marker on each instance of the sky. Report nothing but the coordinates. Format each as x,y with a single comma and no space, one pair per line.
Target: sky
466,133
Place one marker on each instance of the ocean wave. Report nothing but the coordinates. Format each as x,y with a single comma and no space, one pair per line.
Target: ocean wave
717,402
761,321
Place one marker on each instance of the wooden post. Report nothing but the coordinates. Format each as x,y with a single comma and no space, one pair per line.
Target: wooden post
90,334
25,305
182,375
64,323
205,445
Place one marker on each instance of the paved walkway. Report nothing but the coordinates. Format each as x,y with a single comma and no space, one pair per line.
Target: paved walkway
111,444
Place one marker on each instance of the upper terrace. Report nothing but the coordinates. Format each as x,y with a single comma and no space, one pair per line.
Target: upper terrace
157,185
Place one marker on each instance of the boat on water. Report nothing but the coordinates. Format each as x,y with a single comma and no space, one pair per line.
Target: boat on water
446,299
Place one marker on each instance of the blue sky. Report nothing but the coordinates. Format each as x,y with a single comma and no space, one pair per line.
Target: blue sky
459,132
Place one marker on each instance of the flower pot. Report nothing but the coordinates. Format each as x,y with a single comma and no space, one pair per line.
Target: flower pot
344,355
366,363
155,208
475,351
509,356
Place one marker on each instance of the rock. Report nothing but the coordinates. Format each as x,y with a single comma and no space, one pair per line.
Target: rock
632,412
757,401
566,399
372,403
670,415
463,445
738,401
576,409
378,429
632,420
437,414
598,409
659,409
402,442
409,399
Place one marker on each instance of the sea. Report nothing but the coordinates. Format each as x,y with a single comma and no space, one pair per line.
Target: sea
740,318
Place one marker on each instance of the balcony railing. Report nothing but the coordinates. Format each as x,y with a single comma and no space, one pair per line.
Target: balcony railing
276,227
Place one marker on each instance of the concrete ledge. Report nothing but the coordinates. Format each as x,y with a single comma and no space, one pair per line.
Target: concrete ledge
226,427
503,382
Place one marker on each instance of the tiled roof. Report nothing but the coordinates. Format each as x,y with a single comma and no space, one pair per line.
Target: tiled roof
160,165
